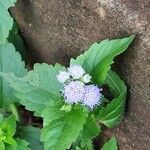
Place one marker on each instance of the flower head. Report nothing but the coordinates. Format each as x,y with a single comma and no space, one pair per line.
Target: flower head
91,96
76,71
74,92
86,78
63,76
75,89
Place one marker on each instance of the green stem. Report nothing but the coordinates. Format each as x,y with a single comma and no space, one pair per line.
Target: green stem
14,111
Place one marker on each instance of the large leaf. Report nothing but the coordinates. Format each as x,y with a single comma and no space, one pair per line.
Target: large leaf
10,61
6,21
90,130
62,128
32,136
110,145
38,88
98,58
112,114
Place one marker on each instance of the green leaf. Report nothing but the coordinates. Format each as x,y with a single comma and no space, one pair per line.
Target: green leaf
6,21
9,125
110,145
21,145
98,58
112,114
90,130
63,128
38,88
1,118
16,39
52,111
89,146
32,136
7,130
2,146
115,84
10,62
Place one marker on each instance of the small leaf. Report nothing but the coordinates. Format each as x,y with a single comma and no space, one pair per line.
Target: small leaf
38,88
6,21
32,136
7,129
16,66
62,129
115,84
89,146
110,145
9,125
90,130
21,145
112,114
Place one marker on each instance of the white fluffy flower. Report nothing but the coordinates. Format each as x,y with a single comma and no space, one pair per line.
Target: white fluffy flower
63,76
76,71
74,92
86,78
92,96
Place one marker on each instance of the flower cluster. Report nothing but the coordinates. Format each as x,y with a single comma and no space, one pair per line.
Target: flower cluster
77,87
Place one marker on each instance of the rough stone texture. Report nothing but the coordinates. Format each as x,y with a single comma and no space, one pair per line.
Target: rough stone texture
55,30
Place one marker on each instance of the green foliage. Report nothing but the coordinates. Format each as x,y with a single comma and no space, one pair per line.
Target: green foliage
16,66
20,145
16,40
89,146
115,84
110,145
6,21
98,58
112,114
90,130
31,135
7,130
7,133
37,88
2,146
62,128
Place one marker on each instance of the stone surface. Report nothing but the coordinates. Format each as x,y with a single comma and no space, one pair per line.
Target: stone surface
55,30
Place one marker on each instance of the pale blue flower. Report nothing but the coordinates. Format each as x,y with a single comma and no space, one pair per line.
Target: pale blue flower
73,92
92,96
76,71
63,76
86,78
